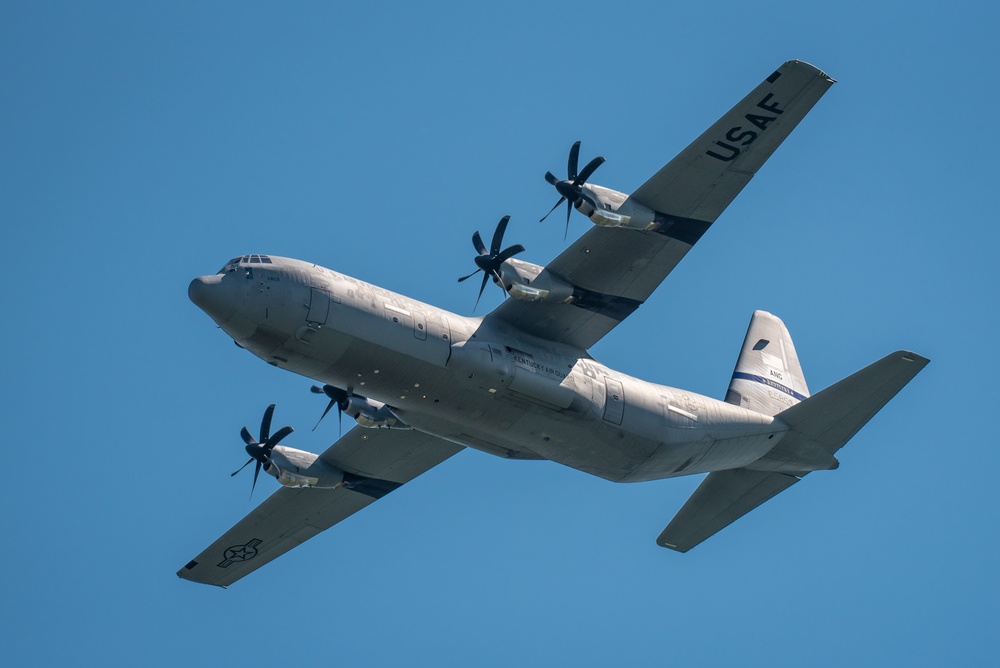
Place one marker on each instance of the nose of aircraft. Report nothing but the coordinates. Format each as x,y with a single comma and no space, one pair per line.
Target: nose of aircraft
208,293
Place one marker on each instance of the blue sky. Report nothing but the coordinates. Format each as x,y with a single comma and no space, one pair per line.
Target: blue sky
142,145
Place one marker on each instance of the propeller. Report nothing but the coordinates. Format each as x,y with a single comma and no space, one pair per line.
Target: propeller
338,398
489,261
261,450
570,190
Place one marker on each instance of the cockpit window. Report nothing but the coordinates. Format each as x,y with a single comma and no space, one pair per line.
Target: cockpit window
233,264
229,266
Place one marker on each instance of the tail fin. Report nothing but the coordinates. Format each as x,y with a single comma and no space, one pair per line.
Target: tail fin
768,377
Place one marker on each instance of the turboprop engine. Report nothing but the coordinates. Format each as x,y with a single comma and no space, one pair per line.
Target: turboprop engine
298,468
291,467
525,281
603,206
366,412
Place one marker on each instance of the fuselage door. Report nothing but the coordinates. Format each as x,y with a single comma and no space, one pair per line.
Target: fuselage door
614,401
319,306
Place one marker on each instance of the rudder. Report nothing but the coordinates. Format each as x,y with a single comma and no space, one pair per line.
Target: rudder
768,377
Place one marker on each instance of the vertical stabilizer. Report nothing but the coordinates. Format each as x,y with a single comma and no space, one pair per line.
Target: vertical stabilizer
768,377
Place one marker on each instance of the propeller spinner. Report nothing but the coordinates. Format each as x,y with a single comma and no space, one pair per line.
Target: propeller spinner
570,190
489,261
261,450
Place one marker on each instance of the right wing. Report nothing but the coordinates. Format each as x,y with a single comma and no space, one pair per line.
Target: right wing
614,270
376,461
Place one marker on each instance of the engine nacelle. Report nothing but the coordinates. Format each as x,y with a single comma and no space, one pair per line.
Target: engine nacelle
373,414
298,468
610,208
529,282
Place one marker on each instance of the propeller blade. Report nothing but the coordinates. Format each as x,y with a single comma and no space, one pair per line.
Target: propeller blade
470,275
489,261
338,397
561,200
498,279
588,170
276,438
256,472
240,468
570,190
477,241
328,407
482,287
261,452
265,424
509,253
498,235
574,157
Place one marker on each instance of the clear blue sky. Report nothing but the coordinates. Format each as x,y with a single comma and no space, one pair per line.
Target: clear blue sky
142,145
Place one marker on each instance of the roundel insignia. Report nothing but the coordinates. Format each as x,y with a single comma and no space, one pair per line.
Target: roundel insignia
238,553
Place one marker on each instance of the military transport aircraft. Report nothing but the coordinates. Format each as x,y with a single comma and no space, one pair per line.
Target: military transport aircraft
423,383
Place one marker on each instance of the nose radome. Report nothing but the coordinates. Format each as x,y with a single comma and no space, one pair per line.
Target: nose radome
208,294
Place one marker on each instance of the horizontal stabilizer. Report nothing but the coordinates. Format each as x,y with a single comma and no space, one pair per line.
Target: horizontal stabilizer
722,498
824,423
818,426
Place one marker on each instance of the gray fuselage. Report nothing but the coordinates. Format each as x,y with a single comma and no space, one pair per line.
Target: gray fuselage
472,382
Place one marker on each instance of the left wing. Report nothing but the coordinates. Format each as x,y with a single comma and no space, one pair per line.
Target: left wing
613,270
376,461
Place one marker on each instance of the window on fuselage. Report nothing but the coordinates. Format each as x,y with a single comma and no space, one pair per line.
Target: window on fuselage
229,266
233,264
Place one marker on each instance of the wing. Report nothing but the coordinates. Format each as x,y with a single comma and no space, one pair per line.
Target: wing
614,270
376,461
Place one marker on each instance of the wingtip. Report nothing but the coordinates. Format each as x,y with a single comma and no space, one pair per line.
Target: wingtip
671,546
801,63
909,356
